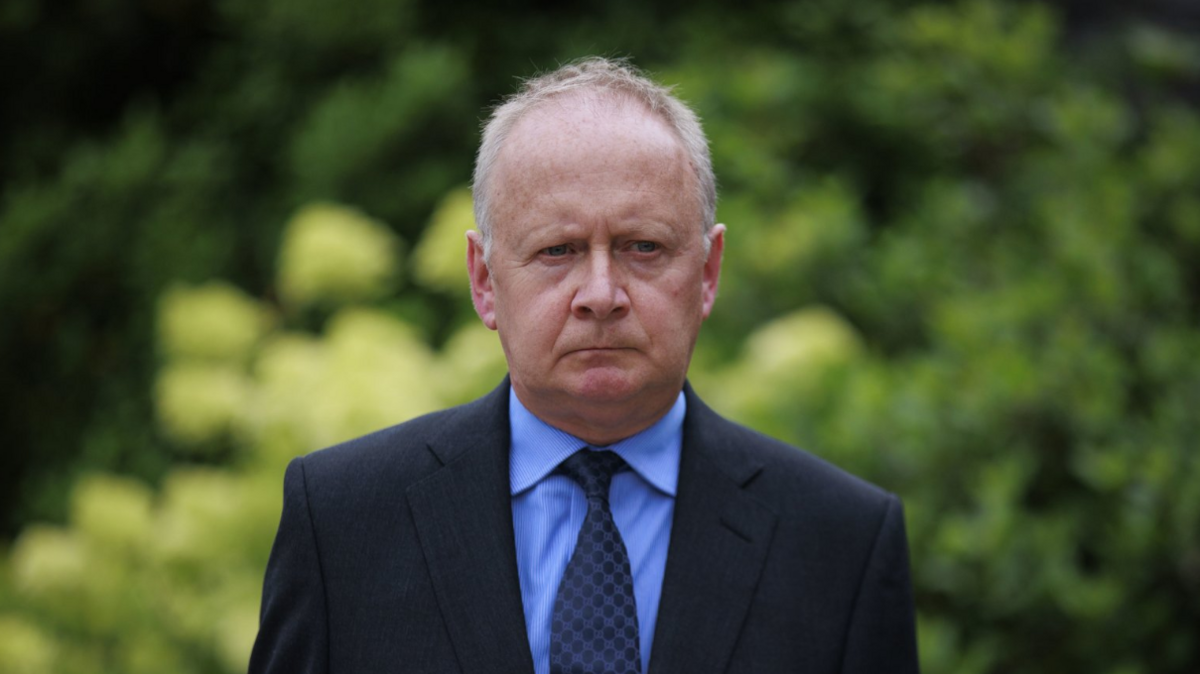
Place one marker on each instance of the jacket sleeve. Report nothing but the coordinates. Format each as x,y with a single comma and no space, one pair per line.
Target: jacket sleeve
882,634
293,632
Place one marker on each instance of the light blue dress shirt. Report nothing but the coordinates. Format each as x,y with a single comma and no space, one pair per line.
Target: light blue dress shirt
548,512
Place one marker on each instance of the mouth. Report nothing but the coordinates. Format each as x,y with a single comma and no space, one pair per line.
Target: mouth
601,349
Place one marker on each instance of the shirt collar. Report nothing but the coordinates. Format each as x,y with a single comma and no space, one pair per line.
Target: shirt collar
538,448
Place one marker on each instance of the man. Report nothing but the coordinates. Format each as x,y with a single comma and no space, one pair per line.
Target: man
590,514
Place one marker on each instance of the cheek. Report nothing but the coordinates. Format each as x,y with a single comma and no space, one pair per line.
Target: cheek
675,314
530,316
681,295
666,311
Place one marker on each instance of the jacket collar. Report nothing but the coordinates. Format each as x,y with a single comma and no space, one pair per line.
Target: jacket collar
463,517
719,540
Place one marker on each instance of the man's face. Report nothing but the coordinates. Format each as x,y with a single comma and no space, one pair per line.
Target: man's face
598,279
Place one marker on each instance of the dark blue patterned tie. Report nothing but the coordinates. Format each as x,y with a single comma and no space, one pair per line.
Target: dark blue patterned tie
594,629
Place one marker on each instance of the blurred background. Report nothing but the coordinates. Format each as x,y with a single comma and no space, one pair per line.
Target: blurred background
963,261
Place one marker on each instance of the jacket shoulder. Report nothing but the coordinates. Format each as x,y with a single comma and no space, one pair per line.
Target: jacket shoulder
805,469
402,454
787,478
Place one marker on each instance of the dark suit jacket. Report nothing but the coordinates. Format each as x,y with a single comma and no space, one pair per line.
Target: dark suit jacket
395,553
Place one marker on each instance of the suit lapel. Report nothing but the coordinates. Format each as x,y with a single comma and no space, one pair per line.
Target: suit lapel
719,540
463,515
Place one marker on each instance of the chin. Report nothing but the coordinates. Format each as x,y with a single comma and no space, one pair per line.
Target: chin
607,385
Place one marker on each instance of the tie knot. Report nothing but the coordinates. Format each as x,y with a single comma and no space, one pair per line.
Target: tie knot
592,470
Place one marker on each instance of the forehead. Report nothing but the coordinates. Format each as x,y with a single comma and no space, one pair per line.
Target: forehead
584,140
592,119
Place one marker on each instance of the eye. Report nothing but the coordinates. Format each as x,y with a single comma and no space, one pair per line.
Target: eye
555,251
645,246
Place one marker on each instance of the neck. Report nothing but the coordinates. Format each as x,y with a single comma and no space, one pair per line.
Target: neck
599,424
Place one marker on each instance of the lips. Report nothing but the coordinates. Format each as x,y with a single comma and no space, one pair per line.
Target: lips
601,349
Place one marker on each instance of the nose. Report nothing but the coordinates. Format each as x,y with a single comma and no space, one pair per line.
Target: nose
601,293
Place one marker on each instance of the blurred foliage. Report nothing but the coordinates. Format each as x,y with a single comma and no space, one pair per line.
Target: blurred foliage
962,262
168,579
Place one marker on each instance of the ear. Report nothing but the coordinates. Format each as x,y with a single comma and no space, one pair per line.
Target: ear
712,268
482,294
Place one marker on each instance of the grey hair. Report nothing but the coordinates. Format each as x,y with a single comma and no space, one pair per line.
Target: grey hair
593,75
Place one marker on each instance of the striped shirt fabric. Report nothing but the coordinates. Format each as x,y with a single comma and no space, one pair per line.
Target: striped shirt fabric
548,512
